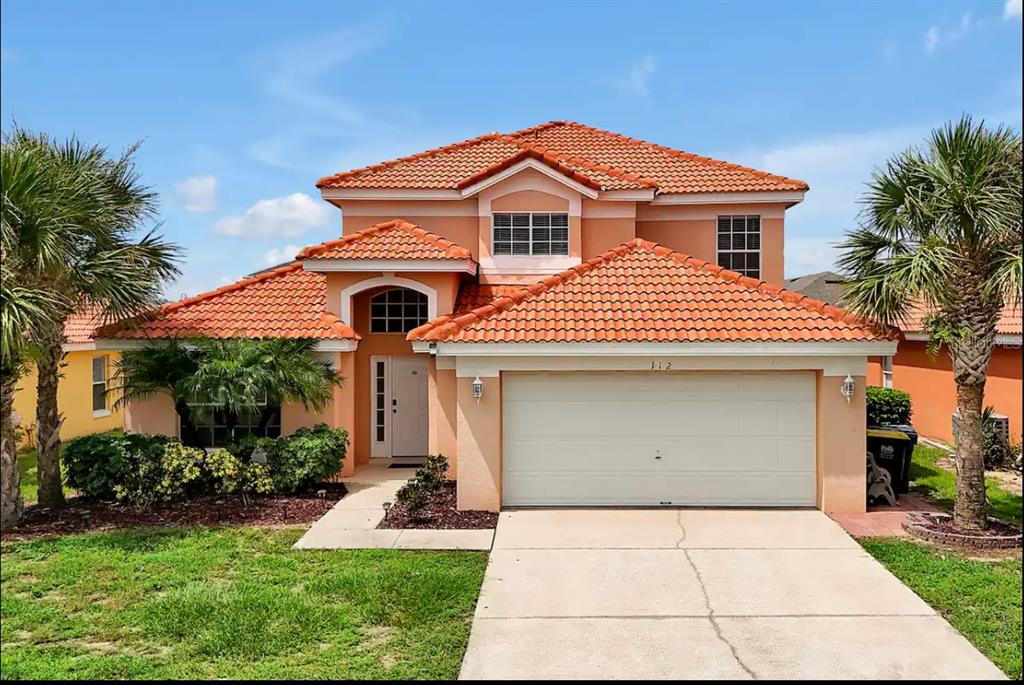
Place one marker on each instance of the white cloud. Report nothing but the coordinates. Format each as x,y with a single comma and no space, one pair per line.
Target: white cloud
931,39
197,194
280,255
1012,9
936,35
277,217
637,79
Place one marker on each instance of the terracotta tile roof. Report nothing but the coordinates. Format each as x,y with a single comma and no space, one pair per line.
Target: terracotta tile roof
643,292
80,325
1009,323
599,159
395,239
473,295
285,302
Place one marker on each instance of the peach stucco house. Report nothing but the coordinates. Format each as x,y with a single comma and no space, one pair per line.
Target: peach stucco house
572,317
929,377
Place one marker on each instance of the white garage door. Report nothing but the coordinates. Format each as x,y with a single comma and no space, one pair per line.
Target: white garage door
722,439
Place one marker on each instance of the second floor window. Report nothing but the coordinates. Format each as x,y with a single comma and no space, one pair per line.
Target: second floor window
739,244
530,233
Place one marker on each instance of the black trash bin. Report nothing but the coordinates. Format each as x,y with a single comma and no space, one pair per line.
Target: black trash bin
893,448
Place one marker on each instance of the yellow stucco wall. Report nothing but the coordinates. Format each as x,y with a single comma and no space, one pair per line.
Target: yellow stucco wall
74,398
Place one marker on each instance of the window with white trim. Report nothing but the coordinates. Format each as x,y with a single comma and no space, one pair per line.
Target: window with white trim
530,233
99,384
739,244
398,310
887,371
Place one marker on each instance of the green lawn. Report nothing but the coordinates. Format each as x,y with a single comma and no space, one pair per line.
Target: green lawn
982,599
28,467
231,603
939,485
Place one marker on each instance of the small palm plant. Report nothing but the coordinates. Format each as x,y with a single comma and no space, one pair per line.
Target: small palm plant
942,229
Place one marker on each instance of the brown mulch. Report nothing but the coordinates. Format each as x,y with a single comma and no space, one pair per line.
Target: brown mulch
937,527
439,513
82,515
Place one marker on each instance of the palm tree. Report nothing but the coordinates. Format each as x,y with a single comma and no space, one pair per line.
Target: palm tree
942,227
98,202
238,376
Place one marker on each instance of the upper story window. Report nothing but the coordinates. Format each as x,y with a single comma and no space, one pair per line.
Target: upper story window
739,244
398,310
99,385
530,233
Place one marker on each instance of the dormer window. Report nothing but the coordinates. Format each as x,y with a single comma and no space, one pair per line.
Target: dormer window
530,233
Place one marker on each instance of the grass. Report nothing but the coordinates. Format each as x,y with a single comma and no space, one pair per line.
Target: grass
938,485
231,603
28,468
982,599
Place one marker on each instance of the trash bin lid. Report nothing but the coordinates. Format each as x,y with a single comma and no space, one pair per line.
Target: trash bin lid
887,434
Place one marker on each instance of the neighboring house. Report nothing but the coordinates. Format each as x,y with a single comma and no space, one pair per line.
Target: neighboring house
825,286
929,377
82,396
572,317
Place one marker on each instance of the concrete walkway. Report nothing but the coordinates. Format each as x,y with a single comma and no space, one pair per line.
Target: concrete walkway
640,594
352,522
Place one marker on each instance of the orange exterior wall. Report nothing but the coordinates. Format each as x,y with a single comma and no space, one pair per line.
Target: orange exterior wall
929,380
601,235
842,444
455,220
442,394
479,445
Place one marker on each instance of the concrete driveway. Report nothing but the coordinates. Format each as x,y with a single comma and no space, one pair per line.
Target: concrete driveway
660,593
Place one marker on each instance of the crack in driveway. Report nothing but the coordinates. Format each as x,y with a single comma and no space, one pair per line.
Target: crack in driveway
707,600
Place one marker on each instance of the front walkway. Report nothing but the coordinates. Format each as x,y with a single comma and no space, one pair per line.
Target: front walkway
883,520
352,522
700,593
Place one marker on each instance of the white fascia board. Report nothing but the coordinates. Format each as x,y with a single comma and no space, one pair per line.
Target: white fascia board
392,265
1002,339
789,197
128,345
388,194
423,347
529,163
79,347
682,349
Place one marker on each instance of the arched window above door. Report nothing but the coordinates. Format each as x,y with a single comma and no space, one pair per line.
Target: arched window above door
397,310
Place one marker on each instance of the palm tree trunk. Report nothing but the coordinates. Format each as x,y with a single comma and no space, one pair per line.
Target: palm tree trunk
11,505
49,420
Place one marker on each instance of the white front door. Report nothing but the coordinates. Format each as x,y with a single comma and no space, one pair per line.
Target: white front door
712,439
399,414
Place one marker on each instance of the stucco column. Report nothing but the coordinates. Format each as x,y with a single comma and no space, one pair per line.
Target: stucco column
345,408
842,446
442,399
479,445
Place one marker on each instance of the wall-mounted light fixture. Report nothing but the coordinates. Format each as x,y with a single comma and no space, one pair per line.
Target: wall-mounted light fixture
848,387
478,388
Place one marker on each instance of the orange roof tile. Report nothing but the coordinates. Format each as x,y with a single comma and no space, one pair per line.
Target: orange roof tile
79,326
643,292
285,302
395,239
599,159
1009,323
472,295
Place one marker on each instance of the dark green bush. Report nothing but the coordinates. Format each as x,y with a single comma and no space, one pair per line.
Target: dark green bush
306,457
95,465
427,480
887,406
996,448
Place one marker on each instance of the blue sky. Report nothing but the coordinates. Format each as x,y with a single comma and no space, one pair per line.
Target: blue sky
242,106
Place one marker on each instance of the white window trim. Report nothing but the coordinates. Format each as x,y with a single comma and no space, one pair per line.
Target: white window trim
531,255
380,448
100,413
397,281
887,371
758,251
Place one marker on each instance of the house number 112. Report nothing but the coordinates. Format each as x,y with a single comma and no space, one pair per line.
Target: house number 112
661,366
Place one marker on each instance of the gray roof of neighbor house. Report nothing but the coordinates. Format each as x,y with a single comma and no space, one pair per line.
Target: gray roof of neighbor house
826,286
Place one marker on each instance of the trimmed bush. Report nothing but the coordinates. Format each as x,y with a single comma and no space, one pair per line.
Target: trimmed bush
427,480
95,465
172,473
887,406
230,475
997,451
306,457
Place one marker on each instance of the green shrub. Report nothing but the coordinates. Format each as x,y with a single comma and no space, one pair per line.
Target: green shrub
306,457
887,406
997,451
230,475
95,465
172,473
427,480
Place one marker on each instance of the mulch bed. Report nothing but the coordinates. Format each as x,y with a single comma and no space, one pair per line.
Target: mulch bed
439,513
937,527
82,515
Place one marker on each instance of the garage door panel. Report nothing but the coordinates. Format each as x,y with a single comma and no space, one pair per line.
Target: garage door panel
685,438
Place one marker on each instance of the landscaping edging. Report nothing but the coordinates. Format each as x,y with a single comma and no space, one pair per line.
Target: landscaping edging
923,525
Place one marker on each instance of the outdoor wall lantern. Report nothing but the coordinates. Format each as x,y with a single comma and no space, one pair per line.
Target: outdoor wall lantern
478,388
848,387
